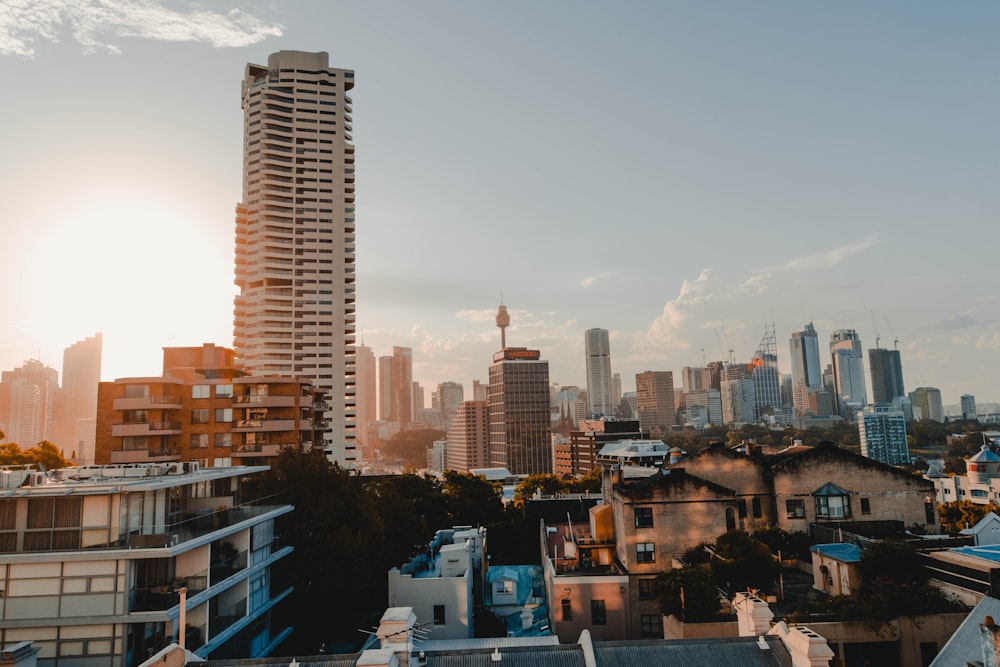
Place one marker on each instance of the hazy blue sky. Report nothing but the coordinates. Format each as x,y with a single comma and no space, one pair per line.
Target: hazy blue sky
677,173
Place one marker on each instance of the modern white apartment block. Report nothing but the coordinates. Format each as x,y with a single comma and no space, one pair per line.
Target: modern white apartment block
598,361
106,565
848,372
468,438
882,431
439,583
295,239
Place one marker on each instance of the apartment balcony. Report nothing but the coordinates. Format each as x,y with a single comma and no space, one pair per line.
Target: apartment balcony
158,455
255,450
265,401
146,428
263,425
165,402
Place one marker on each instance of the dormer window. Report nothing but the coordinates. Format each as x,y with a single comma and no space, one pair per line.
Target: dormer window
832,502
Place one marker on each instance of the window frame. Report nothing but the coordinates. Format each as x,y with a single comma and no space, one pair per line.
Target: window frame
642,548
643,517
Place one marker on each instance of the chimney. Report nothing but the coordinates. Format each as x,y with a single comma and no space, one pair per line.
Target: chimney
806,648
989,639
753,616
395,632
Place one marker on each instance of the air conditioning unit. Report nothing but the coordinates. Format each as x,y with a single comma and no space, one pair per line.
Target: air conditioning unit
193,466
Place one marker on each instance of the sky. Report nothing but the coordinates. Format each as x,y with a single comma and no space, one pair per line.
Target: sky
679,173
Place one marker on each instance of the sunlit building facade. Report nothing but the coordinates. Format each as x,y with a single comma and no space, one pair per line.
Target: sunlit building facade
518,412
295,312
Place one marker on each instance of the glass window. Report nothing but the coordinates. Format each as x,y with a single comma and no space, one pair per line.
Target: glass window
223,440
223,390
647,589
756,508
598,613
223,415
645,552
651,625
439,614
832,507
795,508
866,506
567,610
199,416
199,440
201,391
643,517
136,390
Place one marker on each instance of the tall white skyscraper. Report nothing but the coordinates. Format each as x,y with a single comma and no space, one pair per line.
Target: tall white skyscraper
294,314
598,359
807,375
968,406
848,372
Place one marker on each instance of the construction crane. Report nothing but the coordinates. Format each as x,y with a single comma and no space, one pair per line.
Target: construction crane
895,338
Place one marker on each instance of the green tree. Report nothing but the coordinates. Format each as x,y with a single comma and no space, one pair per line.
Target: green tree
43,454
411,508
742,562
689,593
471,499
548,483
589,482
961,514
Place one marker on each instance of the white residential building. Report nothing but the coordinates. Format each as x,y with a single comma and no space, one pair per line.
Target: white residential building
105,565
295,313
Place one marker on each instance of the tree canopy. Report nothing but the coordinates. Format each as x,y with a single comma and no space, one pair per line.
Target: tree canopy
689,593
43,454
961,514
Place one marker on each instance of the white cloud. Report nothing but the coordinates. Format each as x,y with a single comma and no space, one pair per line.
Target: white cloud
756,284
989,342
590,281
97,24
664,329
828,258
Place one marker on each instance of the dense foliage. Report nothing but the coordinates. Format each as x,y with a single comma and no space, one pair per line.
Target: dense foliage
743,562
689,593
348,531
961,514
44,454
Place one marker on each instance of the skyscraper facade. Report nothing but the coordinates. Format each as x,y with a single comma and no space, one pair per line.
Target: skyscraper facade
928,400
968,406
518,410
402,385
886,370
295,257
598,360
385,388
366,388
882,431
766,379
74,410
654,393
468,438
806,371
848,372
738,394
449,396
26,395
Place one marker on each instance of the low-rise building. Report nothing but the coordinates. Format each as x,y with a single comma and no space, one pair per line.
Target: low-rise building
206,409
105,565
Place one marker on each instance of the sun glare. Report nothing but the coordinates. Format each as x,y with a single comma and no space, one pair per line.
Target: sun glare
144,273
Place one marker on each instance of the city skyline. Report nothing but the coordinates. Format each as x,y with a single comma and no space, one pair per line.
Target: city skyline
778,189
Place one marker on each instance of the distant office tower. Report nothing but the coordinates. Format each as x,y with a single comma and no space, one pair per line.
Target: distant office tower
628,408
518,408
693,379
479,390
806,372
469,438
578,455
569,403
887,375
928,401
616,392
654,393
418,399
449,396
294,315
74,407
704,407
848,373
882,431
402,385
766,379
366,387
738,394
786,389
598,359
26,398
969,406
385,389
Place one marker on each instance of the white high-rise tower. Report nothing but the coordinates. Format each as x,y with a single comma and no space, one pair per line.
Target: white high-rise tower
598,351
295,232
